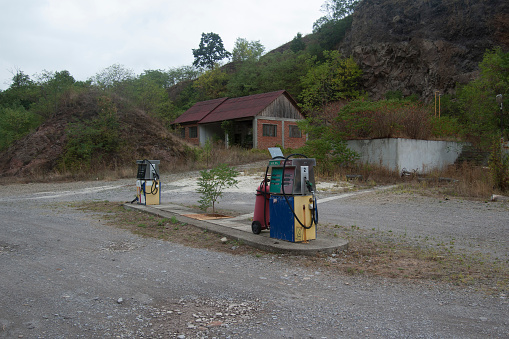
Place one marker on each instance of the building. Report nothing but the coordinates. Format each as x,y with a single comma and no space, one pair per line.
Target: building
254,121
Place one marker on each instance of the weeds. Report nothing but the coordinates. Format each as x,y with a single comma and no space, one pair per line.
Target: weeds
386,254
464,180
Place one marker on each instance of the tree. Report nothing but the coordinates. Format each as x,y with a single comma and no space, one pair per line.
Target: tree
331,28
297,43
326,141
211,50
338,9
212,83
183,73
274,71
113,76
476,106
52,86
213,182
334,79
150,93
22,91
247,50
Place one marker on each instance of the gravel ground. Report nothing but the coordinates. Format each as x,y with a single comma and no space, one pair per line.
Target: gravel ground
66,274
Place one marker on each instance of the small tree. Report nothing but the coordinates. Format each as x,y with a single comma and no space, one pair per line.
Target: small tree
297,44
213,182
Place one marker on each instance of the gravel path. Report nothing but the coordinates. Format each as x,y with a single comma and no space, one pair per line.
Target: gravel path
66,274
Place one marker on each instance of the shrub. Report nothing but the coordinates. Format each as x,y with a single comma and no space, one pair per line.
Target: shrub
15,122
92,139
385,119
213,182
499,165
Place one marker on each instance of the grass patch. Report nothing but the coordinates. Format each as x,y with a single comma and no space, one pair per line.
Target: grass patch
378,253
465,180
168,229
371,253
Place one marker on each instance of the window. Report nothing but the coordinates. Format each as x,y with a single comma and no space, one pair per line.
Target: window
193,132
183,133
269,130
295,131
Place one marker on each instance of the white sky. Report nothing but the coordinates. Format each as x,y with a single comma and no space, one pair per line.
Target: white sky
86,36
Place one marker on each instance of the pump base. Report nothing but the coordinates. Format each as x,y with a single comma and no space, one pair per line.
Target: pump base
148,192
284,225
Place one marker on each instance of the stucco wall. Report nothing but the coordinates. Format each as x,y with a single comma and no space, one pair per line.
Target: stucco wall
410,154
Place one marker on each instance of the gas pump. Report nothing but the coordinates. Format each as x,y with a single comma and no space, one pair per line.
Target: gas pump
148,185
292,209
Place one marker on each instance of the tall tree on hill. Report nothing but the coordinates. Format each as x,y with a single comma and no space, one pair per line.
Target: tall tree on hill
247,50
210,51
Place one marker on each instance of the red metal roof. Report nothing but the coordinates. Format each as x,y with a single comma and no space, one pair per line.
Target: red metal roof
229,109
199,111
243,107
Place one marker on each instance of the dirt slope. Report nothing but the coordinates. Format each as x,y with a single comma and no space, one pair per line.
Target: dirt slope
142,137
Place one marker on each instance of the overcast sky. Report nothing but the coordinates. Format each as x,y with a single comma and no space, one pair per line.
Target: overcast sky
86,36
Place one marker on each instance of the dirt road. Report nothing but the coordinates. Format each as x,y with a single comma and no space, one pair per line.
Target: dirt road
65,274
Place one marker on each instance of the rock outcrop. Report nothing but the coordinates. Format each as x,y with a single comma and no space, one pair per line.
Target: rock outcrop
423,46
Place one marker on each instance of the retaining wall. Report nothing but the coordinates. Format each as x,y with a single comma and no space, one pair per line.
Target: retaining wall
412,155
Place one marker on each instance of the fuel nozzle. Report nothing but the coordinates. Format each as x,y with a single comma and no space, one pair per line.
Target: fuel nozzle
309,185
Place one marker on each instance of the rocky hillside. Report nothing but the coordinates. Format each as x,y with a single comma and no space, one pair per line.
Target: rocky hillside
419,46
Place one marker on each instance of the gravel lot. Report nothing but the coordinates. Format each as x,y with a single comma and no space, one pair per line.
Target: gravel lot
66,274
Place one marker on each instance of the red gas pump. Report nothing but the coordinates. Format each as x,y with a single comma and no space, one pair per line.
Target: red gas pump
261,217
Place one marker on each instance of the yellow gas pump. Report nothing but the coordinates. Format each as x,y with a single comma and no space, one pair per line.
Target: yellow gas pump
148,185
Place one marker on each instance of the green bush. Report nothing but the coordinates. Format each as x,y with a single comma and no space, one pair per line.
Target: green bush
16,122
326,144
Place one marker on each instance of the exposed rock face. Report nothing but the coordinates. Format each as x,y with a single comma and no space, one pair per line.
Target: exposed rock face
420,46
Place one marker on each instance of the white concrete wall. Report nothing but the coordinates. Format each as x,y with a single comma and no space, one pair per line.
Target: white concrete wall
413,155
208,132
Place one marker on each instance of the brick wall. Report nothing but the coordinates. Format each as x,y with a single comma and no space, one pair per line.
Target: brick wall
293,142
194,141
265,142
